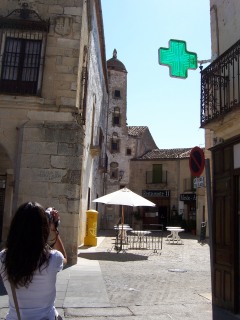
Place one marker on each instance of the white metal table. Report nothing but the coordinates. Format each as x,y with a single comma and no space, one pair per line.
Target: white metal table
174,235
122,231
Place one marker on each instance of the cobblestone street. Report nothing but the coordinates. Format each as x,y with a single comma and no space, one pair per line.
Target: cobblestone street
172,284
176,275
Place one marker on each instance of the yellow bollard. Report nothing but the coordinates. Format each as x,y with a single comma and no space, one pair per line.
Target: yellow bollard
91,228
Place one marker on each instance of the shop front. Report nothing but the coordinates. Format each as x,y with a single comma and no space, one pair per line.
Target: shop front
188,203
159,214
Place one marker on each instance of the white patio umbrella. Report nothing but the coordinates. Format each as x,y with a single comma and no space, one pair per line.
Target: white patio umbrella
125,197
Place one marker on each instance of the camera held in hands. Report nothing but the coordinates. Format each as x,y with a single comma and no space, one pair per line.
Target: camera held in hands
52,216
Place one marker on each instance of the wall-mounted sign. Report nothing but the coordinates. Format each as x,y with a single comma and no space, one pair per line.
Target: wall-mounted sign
198,182
177,58
188,197
156,193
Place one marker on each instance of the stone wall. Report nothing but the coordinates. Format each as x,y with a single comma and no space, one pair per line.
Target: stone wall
49,169
225,25
47,145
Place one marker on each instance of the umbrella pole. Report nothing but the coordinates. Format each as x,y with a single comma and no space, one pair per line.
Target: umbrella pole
122,215
121,240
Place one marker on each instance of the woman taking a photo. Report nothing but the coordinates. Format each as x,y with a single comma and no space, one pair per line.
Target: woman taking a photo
29,264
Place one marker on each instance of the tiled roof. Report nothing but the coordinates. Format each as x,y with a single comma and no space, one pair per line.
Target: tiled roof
115,64
136,131
166,154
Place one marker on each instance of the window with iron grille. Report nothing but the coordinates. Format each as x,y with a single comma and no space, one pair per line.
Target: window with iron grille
23,36
20,66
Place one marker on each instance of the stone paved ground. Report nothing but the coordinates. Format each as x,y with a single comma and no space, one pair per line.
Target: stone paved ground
172,284
177,274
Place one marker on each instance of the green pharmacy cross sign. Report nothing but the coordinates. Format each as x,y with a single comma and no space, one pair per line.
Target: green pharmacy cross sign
177,58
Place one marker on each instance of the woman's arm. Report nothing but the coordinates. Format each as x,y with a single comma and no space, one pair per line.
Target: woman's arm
54,240
58,245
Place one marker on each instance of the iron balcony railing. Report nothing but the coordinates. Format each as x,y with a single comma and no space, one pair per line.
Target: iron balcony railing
153,178
220,85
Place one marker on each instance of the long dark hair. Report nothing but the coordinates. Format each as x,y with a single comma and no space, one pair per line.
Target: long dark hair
26,249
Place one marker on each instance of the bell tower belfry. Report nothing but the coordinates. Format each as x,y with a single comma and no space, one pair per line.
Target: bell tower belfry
117,82
117,136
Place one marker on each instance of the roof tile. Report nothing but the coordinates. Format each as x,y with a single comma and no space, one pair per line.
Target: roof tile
166,154
136,131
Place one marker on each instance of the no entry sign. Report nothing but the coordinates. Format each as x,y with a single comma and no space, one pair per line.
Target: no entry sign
196,161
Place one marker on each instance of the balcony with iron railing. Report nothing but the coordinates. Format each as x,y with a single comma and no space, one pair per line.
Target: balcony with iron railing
153,178
220,86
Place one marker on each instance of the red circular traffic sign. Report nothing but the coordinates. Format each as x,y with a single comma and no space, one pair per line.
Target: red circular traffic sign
196,161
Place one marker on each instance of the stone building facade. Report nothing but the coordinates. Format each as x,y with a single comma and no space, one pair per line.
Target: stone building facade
220,116
123,142
163,177
53,107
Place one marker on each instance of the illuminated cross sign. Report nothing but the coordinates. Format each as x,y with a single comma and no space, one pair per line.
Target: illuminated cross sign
177,58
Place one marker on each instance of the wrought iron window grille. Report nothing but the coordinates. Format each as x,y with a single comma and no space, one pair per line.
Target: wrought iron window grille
23,43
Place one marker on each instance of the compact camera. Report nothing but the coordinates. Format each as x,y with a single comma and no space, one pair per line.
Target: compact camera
51,217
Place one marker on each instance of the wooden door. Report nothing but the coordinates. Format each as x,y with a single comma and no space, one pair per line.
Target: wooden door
224,230
2,198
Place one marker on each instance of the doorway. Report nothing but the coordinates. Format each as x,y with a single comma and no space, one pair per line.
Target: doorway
163,216
2,200
237,210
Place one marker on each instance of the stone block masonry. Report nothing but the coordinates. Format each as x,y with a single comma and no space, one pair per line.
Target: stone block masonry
50,162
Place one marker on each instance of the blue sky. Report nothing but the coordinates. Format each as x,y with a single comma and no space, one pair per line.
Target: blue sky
170,107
